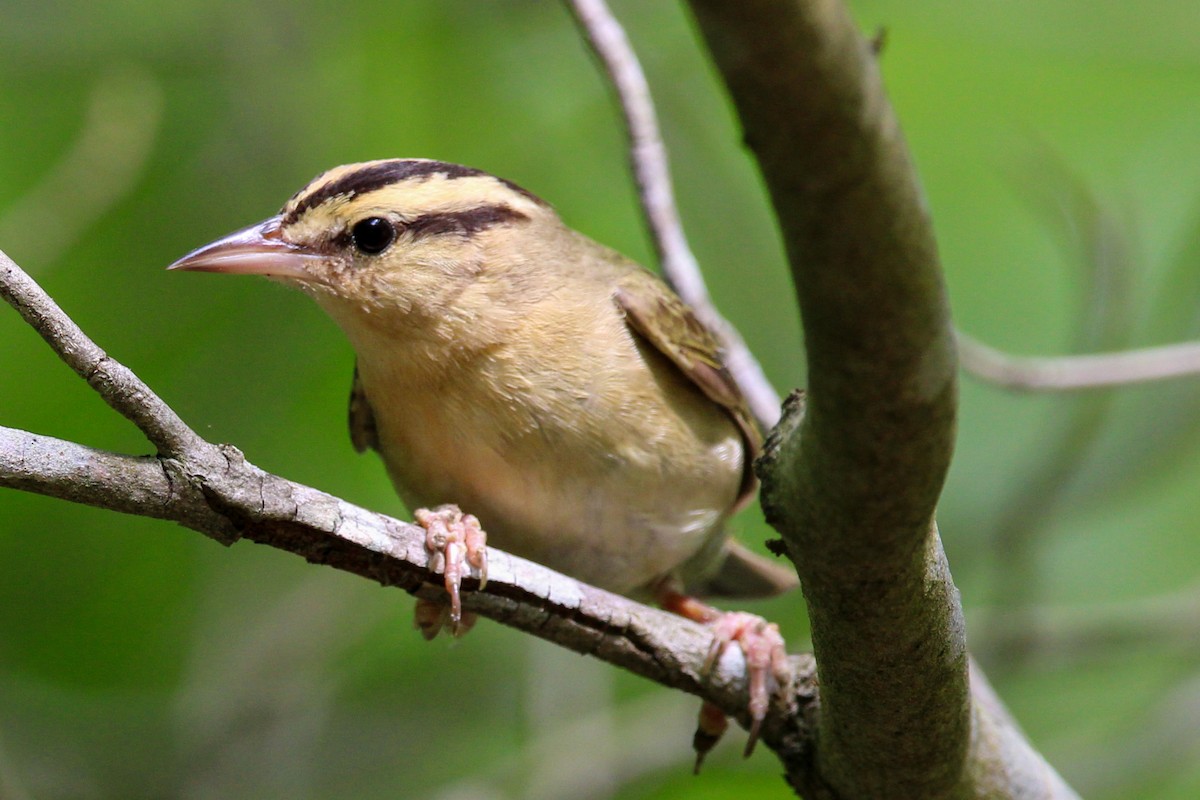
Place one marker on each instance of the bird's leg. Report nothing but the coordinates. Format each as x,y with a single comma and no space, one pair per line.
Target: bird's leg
766,661
455,542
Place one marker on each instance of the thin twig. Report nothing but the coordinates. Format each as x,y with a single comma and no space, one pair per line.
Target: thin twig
648,159
1105,244
1068,373
114,382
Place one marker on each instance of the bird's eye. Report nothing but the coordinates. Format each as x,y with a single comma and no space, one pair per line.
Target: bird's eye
372,235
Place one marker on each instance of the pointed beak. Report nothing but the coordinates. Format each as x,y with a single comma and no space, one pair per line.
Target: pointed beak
257,250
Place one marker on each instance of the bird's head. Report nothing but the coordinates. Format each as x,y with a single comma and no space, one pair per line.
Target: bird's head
394,242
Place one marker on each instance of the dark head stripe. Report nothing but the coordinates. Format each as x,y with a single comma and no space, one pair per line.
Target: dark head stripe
463,222
376,176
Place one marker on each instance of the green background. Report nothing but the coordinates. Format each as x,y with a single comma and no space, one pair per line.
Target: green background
1058,142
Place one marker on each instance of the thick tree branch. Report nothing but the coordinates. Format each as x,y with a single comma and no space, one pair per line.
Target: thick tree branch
853,484
212,489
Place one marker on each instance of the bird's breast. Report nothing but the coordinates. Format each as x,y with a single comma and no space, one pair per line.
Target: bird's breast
614,475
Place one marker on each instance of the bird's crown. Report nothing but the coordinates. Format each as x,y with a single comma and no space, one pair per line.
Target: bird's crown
374,202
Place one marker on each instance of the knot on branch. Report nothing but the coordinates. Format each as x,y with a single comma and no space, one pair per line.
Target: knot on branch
783,439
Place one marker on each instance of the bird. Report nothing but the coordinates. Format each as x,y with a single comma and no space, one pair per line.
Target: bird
511,367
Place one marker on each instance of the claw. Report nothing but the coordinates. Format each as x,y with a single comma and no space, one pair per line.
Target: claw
766,660
454,540
710,727
476,544
430,616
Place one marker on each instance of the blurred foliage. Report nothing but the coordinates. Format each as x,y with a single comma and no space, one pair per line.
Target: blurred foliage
139,660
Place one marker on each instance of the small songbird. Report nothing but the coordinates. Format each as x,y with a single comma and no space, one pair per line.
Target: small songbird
510,366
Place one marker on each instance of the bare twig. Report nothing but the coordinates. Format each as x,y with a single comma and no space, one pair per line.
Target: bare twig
1066,373
1165,431
648,159
1103,243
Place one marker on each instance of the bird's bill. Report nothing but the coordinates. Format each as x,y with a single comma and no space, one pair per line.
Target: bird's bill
257,250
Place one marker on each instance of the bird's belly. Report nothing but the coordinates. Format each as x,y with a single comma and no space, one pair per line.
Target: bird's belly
618,523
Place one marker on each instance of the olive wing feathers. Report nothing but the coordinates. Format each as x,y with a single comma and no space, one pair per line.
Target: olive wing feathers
666,322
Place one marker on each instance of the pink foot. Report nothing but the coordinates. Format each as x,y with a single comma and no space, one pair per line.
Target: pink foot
454,541
766,663
766,660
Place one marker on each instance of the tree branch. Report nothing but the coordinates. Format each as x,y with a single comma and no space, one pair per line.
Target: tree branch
214,490
1068,373
852,485
1099,236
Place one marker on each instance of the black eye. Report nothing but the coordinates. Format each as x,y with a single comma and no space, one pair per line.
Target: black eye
372,235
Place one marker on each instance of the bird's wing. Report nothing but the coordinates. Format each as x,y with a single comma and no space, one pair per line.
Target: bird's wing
663,320
362,419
